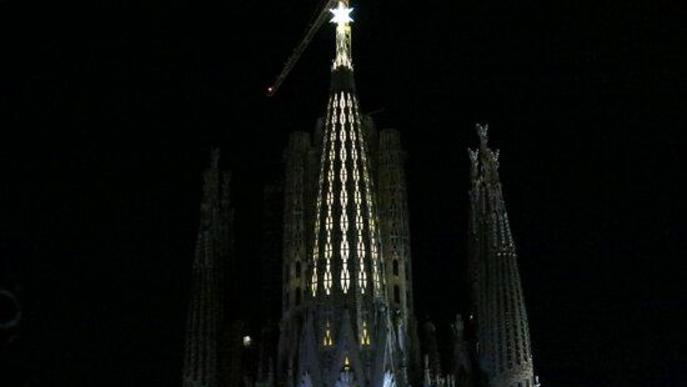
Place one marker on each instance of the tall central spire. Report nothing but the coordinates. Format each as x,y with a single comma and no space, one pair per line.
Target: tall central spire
345,334
336,329
346,245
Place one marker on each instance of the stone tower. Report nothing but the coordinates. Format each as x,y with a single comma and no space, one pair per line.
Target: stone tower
337,326
204,360
503,338
395,236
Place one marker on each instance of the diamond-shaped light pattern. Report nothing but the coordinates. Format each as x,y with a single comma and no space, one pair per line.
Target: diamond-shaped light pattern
348,248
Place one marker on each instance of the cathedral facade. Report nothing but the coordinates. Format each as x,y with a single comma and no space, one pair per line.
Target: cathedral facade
347,312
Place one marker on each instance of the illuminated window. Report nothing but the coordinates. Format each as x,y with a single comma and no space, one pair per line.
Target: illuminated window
365,335
313,281
328,268
328,340
329,220
345,274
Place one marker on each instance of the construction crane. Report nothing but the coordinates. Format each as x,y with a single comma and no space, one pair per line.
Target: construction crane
313,27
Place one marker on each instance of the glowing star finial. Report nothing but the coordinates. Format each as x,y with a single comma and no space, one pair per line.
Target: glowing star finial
341,14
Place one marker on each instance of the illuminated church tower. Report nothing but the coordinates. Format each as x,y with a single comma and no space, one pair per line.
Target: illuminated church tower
341,326
347,313
504,354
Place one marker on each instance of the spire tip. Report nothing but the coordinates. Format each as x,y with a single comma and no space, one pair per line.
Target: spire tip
482,132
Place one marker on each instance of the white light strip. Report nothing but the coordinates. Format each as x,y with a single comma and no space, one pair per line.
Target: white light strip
343,177
359,241
330,201
374,256
316,247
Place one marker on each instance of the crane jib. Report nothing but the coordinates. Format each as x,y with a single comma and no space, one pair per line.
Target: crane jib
300,48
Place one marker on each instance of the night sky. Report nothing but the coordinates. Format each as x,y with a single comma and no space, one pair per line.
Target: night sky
108,113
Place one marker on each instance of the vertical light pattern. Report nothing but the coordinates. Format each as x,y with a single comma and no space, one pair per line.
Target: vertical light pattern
374,255
316,246
343,177
329,221
357,197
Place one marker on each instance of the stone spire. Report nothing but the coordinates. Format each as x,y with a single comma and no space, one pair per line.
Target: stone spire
504,352
205,316
395,237
343,328
462,364
346,253
394,223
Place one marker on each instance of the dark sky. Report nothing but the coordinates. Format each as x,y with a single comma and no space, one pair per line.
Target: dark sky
108,112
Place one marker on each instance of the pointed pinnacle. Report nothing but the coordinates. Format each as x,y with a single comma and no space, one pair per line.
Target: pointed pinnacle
482,131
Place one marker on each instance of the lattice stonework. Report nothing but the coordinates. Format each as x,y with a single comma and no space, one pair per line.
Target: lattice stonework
349,217
212,256
394,227
343,174
329,220
294,246
502,328
347,316
359,224
318,200
372,215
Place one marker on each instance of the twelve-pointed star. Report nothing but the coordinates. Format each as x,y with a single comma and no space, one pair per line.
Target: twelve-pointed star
342,14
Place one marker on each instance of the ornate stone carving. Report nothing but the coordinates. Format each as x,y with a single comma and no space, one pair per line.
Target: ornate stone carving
502,328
